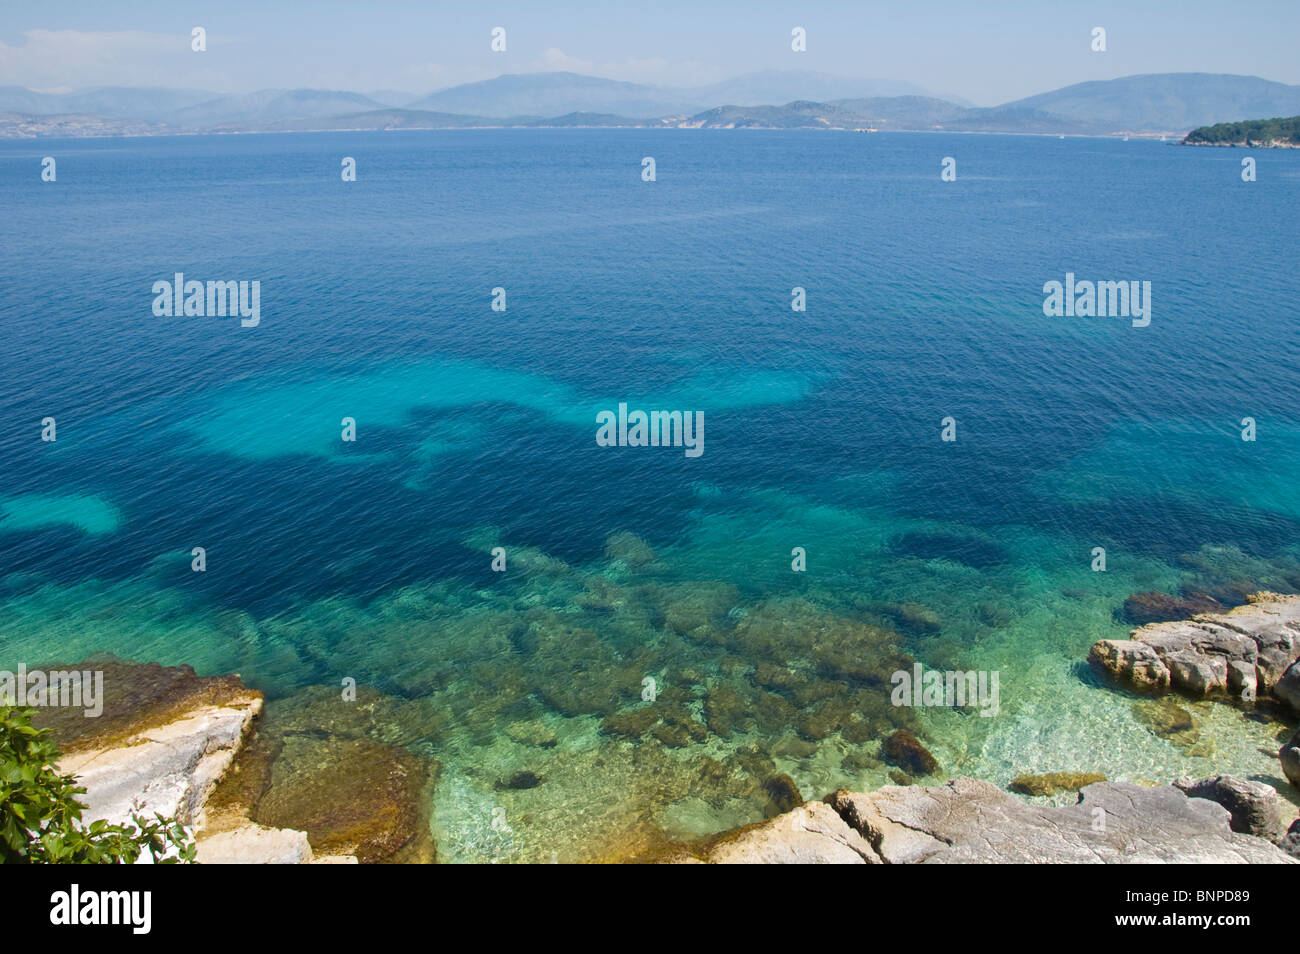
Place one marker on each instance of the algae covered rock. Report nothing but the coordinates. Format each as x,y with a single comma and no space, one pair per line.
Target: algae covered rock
630,722
351,797
905,751
518,781
1151,607
913,618
1168,720
725,711
628,548
1050,783
782,793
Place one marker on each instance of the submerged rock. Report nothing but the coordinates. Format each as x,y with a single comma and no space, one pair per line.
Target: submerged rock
696,609
1050,783
725,711
519,780
328,767
857,762
1151,607
969,551
675,736
351,797
992,615
913,618
630,722
905,750
783,795
629,548
1168,720
532,732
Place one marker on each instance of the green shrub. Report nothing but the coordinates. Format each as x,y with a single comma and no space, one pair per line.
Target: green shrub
40,817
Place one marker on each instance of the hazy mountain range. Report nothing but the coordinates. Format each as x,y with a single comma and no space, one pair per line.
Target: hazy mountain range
1163,103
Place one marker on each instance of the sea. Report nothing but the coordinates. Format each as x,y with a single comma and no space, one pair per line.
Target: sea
905,458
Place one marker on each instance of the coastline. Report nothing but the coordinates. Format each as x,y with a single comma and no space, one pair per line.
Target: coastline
320,778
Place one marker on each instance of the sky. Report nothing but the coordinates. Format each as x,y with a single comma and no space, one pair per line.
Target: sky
986,51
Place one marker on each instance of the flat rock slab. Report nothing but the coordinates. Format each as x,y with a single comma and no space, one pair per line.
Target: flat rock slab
169,769
973,822
255,845
812,834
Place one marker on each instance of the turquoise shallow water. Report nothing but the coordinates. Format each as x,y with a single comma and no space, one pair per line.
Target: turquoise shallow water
371,559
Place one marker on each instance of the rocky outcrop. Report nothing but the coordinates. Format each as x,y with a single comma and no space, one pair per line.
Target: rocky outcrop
812,834
170,769
969,821
1249,651
1290,842
1290,757
165,739
253,844
1254,807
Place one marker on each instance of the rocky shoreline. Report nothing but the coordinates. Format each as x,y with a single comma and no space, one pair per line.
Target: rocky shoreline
967,821
297,786
307,785
320,778
1248,656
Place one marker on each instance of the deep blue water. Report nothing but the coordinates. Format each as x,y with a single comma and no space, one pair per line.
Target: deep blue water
924,301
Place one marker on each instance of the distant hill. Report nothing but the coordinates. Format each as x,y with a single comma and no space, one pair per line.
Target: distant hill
112,102
554,94
367,120
903,112
1255,131
1023,120
797,115
1165,102
785,86
271,105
